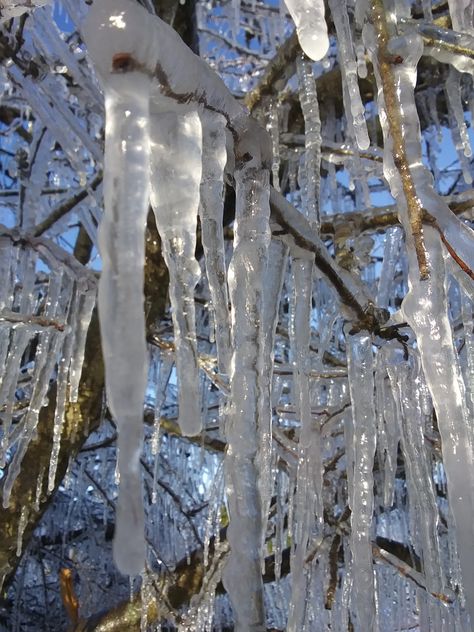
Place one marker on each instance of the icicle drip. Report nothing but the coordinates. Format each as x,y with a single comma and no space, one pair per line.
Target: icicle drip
361,383
348,66
458,124
122,247
85,308
211,210
309,105
273,128
176,168
425,306
272,287
406,384
246,277
309,477
308,16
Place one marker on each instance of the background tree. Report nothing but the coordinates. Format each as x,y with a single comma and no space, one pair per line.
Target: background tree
361,443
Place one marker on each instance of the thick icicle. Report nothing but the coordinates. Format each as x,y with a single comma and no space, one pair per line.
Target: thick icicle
122,247
308,16
349,70
246,275
176,168
211,210
361,383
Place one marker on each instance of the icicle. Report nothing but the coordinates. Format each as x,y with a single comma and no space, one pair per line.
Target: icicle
273,283
458,124
388,434
361,383
410,418
85,308
61,394
308,16
349,70
468,325
211,211
35,178
309,105
246,276
39,489
273,128
176,169
390,256
21,530
309,477
122,247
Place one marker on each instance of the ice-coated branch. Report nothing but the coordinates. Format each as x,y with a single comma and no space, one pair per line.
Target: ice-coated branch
122,36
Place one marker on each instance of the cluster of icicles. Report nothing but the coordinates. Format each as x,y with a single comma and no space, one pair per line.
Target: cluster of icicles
174,155
47,321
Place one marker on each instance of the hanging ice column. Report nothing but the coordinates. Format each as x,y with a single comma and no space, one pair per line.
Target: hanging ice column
211,212
122,248
242,577
175,176
361,496
426,305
